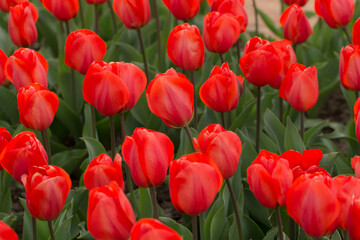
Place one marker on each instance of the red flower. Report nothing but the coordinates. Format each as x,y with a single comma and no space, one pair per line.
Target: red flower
269,178
63,10
221,91
26,66
22,28
353,223
184,9
336,13
102,170
260,62
5,138
133,13
3,59
220,31
110,215
300,87
357,123
356,32
170,96
46,188
82,47
7,232
194,181
296,25
348,68
299,2
355,164
104,89
185,47
5,5
148,154
148,228
21,153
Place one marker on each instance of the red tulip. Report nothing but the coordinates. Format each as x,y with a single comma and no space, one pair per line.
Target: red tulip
135,80
63,10
299,2
348,69
357,123
221,91
148,154
133,13
104,89
336,13
110,215
355,164
184,9
223,147
96,1
194,181
102,170
46,188
296,25
82,47
3,59
37,106
260,62
170,96
353,223
21,153
300,87
210,2
5,138
356,32
6,4
185,47
148,228
26,66
220,31
312,204
7,232
269,178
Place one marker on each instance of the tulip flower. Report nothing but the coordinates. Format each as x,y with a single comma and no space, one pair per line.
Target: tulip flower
183,10
63,10
357,123
3,59
133,13
26,66
83,47
5,5
353,224
185,47
296,25
210,2
148,228
148,154
104,89
300,87
336,13
102,170
5,138
21,25
220,31
349,60
221,91
356,32
37,106
298,2
194,181
46,188
21,153
355,164
312,204
110,215
7,232
170,96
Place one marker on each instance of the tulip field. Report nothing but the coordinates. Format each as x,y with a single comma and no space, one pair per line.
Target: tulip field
169,120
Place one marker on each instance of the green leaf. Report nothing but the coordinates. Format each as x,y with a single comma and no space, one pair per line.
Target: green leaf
217,224
180,229
246,114
69,160
63,231
271,234
328,160
9,104
94,147
292,138
275,129
251,229
87,129
145,204
270,23
69,118
311,133
185,145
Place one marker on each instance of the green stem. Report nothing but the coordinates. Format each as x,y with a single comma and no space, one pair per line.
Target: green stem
81,15
195,100
223,122
194,227
347,35
34,228
112,16
51,230
93,122
158,34
356,95
238,48
202,226
112,136
302,125
154,202
46,143
188,132
281,111
256,18
96,18
258,112
122,126
229,118
279,223
143,53
222,58
291,228
236,209
72,71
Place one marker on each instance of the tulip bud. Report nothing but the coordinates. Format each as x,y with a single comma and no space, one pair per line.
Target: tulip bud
133,13
356,118
184,9
348,68
298,2
336,13
356,32
5,5
63,10
5,138
353,223
3,59
148,228
7,232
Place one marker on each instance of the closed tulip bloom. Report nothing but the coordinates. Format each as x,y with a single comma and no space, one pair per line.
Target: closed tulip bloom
104,89
110,215
102,170
223,147
26,66
148,154
7,232
21,25
46,188
300,87
83,47
260,62
210,2
194,181
37,106
298,2
356,32
269,178
336,13
221,91
312,204
62,10
3,59
148,228
21,153
133,13
185,47
135,80
296,25
5,138
5,5
355,164
353,223
170,96
220,31
348,68
184,9
356,118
